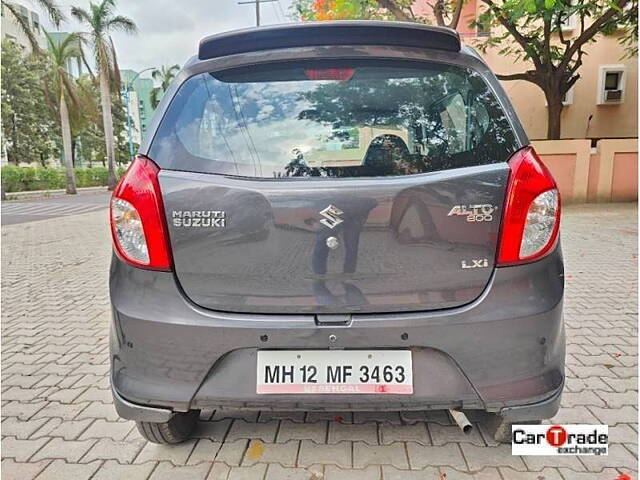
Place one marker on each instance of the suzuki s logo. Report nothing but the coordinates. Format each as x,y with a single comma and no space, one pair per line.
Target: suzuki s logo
331,216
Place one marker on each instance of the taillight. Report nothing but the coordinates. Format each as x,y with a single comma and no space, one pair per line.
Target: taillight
138,225
531,217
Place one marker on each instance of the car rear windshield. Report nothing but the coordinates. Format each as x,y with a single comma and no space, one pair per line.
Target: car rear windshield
333,119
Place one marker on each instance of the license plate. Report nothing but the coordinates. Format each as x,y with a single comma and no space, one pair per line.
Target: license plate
335,372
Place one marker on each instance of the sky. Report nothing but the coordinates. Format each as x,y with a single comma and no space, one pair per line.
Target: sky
169,30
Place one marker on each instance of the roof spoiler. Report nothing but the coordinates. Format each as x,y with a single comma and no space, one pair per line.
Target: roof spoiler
347,32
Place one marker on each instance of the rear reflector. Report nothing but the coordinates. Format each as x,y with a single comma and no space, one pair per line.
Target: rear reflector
531,218
138,225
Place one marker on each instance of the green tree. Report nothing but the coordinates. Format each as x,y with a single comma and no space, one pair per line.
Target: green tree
101,20
50,7
165,76
65,90
86,124
532,30
446,13
629,39
87,136
27,124
120,129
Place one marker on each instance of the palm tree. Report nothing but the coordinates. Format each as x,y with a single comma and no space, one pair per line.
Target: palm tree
59,55
49,6
101,21
86,119
165,75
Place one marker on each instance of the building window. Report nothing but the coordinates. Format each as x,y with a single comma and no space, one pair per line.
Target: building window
568,97
35,21
612,80
569,23
611,84
24,13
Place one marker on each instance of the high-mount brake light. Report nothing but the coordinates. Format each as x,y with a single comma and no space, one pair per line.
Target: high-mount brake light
138,226
531,217
340,74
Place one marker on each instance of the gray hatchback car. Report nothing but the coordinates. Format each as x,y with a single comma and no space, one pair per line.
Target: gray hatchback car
336,216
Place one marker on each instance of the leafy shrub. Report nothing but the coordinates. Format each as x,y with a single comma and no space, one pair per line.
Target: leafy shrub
50,179
28,178
91,177
23,179
11,178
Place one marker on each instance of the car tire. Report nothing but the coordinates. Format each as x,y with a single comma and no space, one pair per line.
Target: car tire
500,429
176,430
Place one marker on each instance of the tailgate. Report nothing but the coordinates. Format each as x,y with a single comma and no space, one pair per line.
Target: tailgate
419,242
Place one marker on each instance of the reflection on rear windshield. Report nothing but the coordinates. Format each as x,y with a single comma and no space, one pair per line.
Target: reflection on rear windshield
366,119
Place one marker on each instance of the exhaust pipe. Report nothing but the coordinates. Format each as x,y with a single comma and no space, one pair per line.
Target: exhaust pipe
462,421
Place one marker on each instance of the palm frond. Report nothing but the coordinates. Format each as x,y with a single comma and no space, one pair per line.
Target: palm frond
165,75
105,8
100,21
53,11
71,45
156,93
82,37
104,60
169,76
80,14
122,24
70,89
59,54
50,42
83,57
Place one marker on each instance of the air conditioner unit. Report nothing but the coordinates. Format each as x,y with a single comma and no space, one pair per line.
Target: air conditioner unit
612,96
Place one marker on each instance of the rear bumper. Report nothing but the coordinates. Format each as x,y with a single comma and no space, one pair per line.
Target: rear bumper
502,353
542,409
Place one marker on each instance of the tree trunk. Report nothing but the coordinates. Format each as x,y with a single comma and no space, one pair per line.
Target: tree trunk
395,10
14,140
554,113
107,121
66,146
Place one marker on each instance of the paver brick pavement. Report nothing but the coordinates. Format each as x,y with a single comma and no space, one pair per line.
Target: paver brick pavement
58,421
